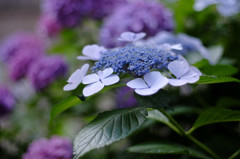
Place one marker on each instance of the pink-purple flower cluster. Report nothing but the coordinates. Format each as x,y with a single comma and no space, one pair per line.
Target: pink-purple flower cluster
46,70
57,14
136,16
24,55
54,148
7,101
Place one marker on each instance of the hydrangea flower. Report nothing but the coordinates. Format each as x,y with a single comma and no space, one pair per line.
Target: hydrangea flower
46,70
151,83
96,82
7,101
134,60
183,72
22,61
48,26
69,13
144,62
76,78
19,41
92,52
54,148
136,16
225,7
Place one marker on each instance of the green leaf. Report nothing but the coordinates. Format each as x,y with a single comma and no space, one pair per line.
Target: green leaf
182,109
219,70
166,148
158,100
160,117
201,64
215,115
108,127
63,105
214,79
228,102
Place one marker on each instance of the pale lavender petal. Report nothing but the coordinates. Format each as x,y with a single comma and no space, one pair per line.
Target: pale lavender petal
84,58
137,83
90,79
178,68
177,82
71,86
131,37
192,79
93,51
146,91
112,79
105,73
92,88
155,80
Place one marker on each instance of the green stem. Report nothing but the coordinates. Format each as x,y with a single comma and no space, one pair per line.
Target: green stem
235,154
188,136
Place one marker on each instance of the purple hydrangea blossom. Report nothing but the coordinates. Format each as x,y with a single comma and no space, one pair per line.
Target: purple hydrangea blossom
125,98
19,41
67,12
70,12
102,8
48,26
7,101
20,63
136,16
46,70
54,148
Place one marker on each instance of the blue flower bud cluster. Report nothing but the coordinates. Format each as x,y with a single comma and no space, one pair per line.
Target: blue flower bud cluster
135,60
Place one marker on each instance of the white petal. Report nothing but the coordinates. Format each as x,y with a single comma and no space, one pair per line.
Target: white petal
78,74
71,86
75,76
93,51
103,74
160,83
146,91
90,79
177,47
92,88
84,58
192,79
131,37
137,83
112,79
177,82
178,67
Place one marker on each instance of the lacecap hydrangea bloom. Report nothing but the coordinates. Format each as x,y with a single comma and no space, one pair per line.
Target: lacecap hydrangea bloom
46,70
7,101
136,16
225,7
19,41
151,67
54,148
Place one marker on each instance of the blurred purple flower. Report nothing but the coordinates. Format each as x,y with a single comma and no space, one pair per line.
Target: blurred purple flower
48,26
54,148
45,70
125,98
7,101
19,41
102,8
22,61
70,12
136,16
67,12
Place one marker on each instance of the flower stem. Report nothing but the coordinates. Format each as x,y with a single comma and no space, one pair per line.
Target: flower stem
188,136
